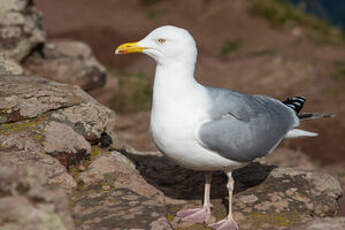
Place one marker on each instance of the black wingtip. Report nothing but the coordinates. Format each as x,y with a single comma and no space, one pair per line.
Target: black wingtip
308,116
295,103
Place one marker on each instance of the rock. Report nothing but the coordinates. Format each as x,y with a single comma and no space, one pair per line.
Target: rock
108,93
49,166
113,195
39,115
113,163
28,202
339,171
336,223
104,207
9,67
20,28
69,62
266,197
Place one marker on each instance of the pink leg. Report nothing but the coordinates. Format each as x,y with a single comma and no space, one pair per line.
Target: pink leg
228,223
200,215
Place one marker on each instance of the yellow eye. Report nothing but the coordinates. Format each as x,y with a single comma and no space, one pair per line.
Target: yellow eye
161,40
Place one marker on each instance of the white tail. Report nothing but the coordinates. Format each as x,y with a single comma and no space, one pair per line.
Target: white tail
300,133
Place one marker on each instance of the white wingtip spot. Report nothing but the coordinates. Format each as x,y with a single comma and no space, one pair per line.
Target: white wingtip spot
300,133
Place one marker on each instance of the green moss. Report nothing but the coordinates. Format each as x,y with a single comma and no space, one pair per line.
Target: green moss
339,71
155,14
230,46
276,219
134,93
109,179
34,126
338,76
3,115
281,14
96,151
263,52
170,217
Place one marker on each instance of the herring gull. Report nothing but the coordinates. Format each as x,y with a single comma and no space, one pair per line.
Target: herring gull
208,129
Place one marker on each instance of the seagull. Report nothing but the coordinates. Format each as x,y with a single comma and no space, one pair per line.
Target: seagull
210,129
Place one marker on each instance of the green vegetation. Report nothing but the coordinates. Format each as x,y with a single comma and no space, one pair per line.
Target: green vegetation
230,46
134,93
263,52
154,14
338,76
279,219
280,14
339,73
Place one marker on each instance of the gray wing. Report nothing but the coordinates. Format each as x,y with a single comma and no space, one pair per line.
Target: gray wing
245,127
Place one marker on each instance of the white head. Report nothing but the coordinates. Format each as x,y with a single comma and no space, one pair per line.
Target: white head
165,44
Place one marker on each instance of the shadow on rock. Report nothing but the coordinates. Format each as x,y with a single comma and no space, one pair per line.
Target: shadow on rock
180,183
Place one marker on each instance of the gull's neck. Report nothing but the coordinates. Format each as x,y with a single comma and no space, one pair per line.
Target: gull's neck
174,83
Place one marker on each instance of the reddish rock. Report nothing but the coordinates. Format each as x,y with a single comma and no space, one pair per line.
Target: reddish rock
44,116
69,62
28,202
266,197
336,223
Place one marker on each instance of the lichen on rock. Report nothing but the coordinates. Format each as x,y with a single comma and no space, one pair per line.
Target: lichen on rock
21,28
266,196
49,117
28,202
9,67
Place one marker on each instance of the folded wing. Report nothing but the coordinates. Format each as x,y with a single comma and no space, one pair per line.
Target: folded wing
245,127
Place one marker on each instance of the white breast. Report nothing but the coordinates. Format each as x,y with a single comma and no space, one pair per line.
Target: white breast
175,135
179,108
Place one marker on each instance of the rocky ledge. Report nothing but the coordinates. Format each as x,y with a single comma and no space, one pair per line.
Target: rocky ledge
69,62
55,140
40,116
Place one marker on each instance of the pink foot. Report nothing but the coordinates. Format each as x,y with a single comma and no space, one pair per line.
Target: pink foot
226,224
197,215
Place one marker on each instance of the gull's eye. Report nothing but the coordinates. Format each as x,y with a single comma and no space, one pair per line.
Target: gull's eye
161,40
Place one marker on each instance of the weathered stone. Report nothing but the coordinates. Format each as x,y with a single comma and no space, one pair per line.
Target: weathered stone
9,67
20,28
339,171
113,163
28,202
266,197
69,62
49,166
61,138
335,223
39,115
103,207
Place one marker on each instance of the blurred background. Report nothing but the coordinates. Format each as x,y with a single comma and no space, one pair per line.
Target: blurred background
272,47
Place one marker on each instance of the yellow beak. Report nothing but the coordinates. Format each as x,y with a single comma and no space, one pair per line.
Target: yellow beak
130,47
